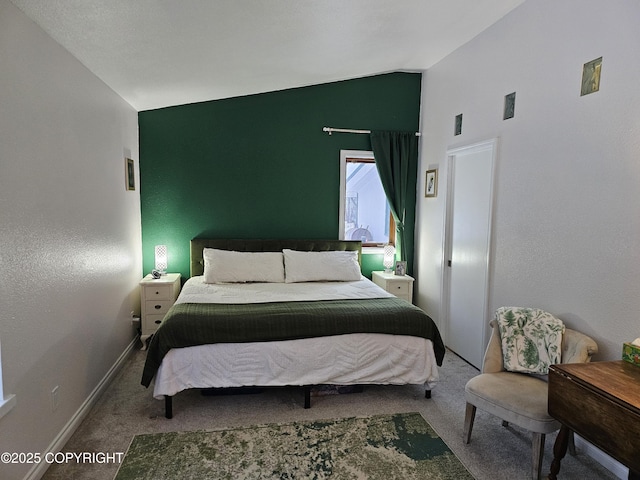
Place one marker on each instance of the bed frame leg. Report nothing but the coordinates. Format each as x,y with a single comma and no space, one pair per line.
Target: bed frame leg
427,393
168,406
307,396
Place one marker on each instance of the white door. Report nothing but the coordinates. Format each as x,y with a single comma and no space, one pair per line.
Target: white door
469,206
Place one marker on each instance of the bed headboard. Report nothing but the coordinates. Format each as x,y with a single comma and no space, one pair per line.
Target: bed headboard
270,245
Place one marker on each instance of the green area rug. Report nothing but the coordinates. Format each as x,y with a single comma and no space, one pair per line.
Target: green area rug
402,446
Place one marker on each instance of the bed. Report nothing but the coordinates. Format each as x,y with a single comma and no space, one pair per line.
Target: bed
266,313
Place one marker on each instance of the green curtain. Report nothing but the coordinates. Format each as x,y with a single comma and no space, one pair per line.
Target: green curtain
396,157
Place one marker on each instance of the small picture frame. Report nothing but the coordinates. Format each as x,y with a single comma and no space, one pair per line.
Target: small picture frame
129,174
591,76
431,183
509,106
401,268
457,129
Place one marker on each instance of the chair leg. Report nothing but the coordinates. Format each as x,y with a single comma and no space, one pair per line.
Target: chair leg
537,451
469,417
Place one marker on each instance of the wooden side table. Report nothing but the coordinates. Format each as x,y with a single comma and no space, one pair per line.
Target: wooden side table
156,297
599,401
400,285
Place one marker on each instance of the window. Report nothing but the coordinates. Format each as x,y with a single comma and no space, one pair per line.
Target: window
364,211
7,403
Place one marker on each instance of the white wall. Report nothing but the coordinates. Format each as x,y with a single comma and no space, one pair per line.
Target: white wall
70,241
567,212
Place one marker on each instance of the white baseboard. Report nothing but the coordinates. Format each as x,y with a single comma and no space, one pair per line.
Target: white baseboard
38,470
602,458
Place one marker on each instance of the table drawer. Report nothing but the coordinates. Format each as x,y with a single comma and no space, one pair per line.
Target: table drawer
160,292
398,288
610,425
150,323
152,307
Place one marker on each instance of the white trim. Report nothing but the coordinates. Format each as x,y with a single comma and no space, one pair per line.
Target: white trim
602,458
7,404
38,470
373,250
445,293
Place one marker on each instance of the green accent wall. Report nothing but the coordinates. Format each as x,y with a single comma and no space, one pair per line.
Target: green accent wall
260,166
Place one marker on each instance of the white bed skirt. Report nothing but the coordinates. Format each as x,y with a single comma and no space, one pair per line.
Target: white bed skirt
361,358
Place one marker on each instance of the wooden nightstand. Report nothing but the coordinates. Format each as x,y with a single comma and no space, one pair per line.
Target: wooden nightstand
400,285
156,297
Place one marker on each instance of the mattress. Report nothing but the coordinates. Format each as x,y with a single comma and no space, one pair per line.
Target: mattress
358,358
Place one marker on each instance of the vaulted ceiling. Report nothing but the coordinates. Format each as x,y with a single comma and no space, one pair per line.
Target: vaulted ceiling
157,53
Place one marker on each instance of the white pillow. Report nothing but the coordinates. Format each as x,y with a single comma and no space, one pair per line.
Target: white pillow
226,266
321,266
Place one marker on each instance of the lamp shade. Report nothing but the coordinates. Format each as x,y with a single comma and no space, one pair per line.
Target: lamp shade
161,258
389,257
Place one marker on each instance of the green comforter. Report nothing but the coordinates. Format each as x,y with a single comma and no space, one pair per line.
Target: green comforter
190,324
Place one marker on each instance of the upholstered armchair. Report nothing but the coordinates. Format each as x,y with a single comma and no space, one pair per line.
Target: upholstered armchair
520,398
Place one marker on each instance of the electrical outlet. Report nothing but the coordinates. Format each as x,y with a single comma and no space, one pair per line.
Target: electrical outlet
54,398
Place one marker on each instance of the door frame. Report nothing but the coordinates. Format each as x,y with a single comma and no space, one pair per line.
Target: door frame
452,152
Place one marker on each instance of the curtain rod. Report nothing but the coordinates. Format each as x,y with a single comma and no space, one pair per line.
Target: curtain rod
330,130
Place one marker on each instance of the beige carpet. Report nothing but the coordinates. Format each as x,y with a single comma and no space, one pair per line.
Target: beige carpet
128,409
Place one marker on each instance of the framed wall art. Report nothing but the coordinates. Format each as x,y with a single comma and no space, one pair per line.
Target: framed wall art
509,106
431,183
591,76
129,174
457,129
